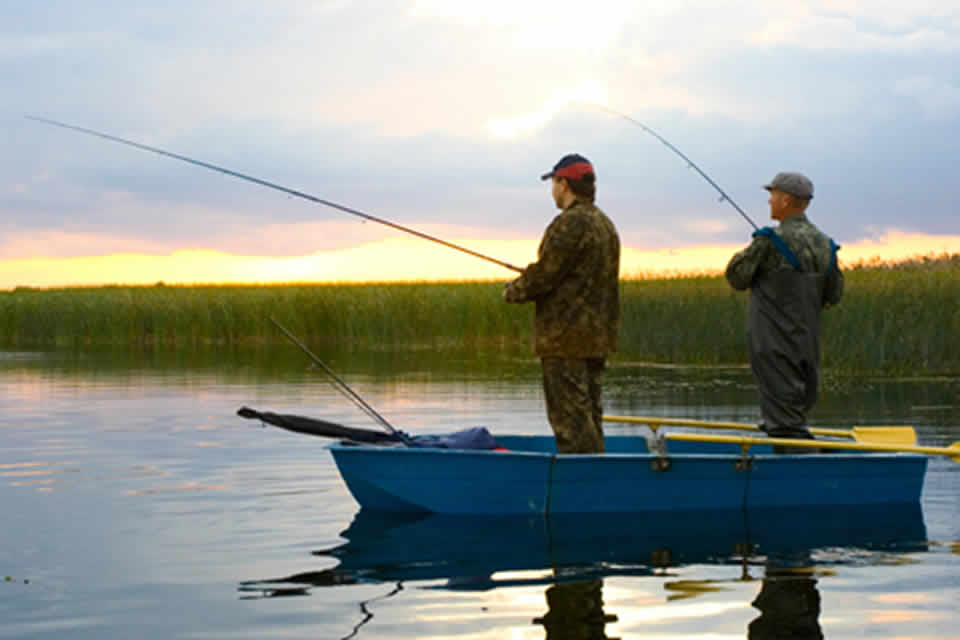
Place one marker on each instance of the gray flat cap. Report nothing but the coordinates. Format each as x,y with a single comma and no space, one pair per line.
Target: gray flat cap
796,184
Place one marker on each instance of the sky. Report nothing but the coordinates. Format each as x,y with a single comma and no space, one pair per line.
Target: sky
441,115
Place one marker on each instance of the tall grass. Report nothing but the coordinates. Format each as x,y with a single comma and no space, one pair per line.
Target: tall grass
374,315
893,318
898,320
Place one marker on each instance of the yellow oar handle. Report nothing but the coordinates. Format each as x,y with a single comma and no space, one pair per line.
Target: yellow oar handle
952,452
656,423
889,434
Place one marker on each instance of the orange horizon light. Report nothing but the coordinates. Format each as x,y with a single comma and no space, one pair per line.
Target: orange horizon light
401,260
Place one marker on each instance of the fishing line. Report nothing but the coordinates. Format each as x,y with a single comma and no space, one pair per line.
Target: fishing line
271,185
690,163
340,385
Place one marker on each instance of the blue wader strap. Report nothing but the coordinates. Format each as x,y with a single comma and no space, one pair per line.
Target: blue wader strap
783,248
834,247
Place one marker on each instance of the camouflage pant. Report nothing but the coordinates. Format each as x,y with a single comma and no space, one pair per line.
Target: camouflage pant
572,389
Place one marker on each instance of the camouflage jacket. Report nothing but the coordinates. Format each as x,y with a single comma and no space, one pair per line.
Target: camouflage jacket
811,247
575,285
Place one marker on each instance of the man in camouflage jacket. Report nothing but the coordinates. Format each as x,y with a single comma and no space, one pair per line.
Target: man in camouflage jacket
792,274
575,285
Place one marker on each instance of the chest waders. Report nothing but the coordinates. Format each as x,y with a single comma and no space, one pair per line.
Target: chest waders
783,339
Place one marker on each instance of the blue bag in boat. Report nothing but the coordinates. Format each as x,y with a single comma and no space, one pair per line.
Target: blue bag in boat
472,438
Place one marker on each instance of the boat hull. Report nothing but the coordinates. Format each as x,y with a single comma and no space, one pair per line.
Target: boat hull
531,478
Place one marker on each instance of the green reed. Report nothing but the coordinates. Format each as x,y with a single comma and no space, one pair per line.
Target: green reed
373,315
893,319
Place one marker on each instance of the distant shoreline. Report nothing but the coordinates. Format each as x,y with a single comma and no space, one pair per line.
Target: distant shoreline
894,319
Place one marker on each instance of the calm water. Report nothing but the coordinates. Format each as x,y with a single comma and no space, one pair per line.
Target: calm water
136,504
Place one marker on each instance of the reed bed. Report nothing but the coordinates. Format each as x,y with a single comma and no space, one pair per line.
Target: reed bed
902,319
377,316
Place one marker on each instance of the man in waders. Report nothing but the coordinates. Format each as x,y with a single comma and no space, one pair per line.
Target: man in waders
792,274
575,285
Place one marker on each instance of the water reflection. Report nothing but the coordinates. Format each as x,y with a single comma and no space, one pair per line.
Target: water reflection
571,556
708,392
789,606
103,453
576,612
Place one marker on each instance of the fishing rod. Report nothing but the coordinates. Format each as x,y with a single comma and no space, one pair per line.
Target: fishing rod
342,386
265,183
690,163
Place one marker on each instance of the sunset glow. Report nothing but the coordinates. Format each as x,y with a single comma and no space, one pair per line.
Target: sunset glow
400,259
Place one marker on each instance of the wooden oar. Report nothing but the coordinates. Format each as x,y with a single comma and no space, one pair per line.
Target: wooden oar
952,452
905,436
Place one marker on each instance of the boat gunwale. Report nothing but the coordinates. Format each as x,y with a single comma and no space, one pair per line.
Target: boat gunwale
839,456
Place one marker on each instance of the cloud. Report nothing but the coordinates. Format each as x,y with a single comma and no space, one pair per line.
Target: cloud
833,32
266,240
936,98
536,24
434,113
530,123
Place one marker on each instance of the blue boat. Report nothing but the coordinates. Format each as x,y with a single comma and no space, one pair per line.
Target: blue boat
529,477
470,472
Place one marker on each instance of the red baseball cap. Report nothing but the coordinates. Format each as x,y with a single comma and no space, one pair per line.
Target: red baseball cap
573,166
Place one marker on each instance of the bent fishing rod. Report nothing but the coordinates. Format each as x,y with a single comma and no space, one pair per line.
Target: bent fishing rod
272,185
340,385
690,163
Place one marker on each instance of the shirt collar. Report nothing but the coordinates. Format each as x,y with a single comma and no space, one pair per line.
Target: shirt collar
792,220
577,202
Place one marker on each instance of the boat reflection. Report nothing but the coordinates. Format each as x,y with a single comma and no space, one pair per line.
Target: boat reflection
571,555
